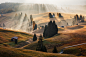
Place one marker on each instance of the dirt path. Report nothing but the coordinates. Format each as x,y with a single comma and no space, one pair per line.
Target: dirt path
71,46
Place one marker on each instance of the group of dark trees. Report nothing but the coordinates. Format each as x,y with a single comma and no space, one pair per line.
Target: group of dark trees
79,18
51,16
59,15
50,30
40,46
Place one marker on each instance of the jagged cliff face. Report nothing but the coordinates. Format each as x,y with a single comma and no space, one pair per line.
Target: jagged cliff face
22,20
37,8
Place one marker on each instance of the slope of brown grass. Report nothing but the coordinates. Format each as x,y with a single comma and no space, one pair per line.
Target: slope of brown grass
6,35
61,41
79,50
28,53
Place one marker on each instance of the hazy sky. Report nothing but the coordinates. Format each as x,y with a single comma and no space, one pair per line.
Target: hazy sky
58,2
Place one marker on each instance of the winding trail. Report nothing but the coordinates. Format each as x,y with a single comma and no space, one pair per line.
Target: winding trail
71,46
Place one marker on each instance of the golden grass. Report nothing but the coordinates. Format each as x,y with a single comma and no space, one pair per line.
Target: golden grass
61,41
13,52
78,51
6,35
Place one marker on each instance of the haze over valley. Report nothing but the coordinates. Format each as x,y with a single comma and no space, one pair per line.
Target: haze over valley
43,28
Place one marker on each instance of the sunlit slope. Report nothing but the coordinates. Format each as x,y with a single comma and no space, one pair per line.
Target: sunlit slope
60,41
72,35
13,52
64,40
6,35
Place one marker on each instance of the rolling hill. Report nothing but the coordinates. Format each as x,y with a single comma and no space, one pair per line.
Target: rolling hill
17,23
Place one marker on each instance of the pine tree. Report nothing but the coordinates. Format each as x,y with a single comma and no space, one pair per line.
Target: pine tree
82,20
60,15
40,46
50,15
55,29
77,17
55,50
44,33
34,37
80,17
44,49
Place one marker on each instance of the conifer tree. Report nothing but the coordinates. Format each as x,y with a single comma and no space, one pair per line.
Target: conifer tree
50,15
82,20
40,46
34,37
44,33
44,49
80,17
55,50
60,15
77,17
